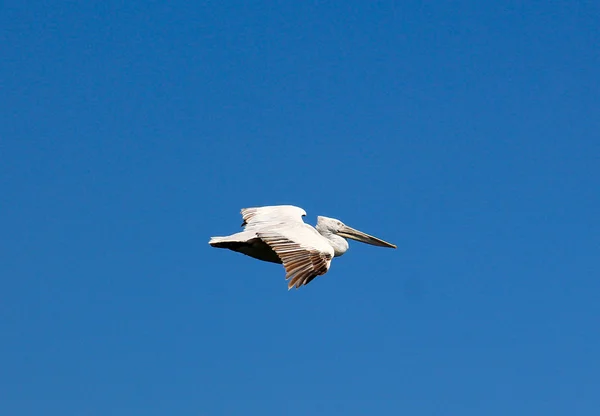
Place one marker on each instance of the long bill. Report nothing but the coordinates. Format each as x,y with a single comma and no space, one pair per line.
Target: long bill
349,232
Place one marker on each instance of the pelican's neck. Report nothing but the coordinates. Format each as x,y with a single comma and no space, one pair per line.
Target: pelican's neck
339,244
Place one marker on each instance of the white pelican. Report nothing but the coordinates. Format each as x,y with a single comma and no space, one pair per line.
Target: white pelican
277,234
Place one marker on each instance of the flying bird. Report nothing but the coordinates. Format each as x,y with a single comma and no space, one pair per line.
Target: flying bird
278,234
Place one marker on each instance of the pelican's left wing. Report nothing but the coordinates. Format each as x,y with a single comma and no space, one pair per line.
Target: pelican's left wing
304,253
276,214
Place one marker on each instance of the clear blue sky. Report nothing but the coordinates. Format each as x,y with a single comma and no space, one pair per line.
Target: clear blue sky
465,132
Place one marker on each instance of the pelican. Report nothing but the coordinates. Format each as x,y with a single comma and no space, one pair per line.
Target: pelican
278,234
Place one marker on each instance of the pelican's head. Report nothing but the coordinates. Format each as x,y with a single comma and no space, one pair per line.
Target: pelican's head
327,225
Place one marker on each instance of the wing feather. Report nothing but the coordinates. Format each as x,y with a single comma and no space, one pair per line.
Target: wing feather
305,254
276,214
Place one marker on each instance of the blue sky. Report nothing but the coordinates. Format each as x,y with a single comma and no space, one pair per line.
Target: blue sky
465,132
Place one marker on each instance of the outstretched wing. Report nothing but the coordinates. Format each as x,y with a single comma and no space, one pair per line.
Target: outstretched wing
304,252
277,214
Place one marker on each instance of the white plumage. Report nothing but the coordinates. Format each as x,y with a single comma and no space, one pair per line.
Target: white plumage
278,234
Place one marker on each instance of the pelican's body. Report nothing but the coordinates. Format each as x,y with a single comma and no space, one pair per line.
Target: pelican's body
278,234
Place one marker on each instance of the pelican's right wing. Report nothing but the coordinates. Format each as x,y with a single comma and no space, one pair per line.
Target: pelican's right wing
277,214
303,252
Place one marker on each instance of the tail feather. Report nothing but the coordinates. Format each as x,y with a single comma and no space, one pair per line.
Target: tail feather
216,240
222,242
234,238
246,243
